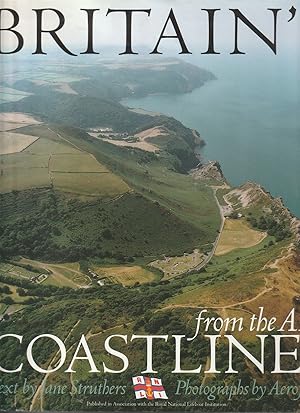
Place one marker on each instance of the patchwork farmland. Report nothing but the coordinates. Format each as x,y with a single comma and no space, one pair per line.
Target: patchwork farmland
37,157
11,95
13,120
11,142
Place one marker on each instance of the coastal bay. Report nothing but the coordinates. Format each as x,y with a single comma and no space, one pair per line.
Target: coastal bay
248,118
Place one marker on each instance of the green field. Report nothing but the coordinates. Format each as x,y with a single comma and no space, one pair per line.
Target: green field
23,160
55,77
90,184
248,260
67,276
59,280
130,225
75,163
42,75
19,179
49,146
11,97
52,161
16,271
221,293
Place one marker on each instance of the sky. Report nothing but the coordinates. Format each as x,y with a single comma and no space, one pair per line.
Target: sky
110,31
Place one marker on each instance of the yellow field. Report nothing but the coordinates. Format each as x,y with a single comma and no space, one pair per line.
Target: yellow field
13,120
127,276
238,234
14,142
174,266
8,126
90,184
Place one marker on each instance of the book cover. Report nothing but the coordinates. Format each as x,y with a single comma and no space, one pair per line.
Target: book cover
150,204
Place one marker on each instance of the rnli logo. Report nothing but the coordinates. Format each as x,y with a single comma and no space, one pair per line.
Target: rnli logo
148,388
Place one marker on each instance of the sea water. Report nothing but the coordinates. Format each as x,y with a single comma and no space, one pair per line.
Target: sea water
249,118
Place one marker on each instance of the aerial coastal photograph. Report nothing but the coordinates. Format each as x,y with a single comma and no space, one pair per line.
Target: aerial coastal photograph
138,193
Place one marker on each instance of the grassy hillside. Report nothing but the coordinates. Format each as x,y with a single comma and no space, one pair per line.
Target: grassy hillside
84,112
116,310
44,224
169,76
95,218
117,80
154,177
88,112
94,101
51,162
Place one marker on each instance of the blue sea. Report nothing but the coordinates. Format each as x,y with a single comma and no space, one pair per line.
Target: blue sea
249,118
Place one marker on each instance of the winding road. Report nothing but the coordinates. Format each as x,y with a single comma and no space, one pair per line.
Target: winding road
208,258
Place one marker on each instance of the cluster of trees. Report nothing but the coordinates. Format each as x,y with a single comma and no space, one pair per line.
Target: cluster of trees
5,290
118,83
115,305
79,111
26,288
50,227
6,299
179,142
279,229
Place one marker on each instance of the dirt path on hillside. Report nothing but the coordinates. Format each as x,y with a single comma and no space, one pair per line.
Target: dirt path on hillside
222,307
40,392
290,285
66,140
